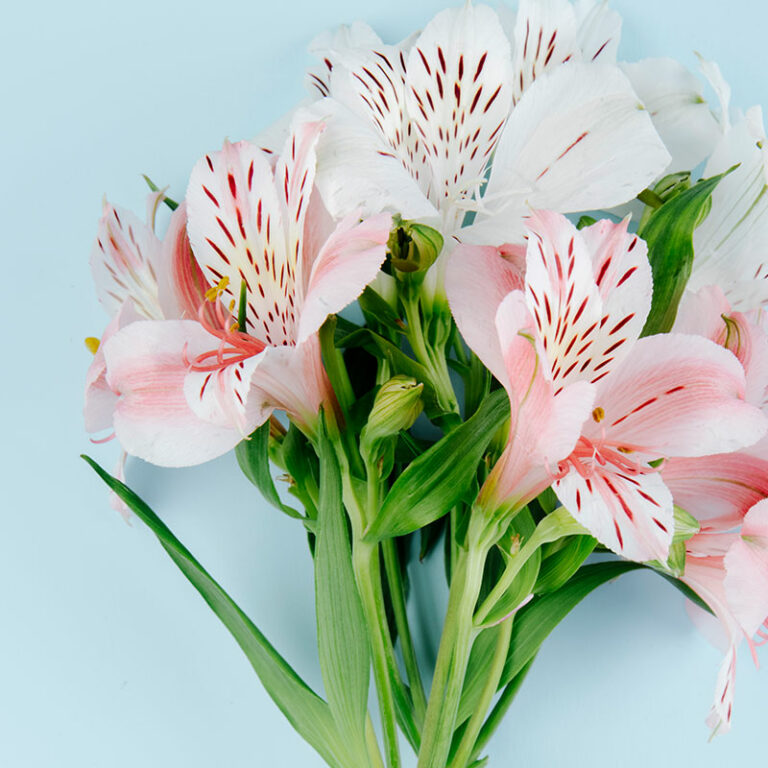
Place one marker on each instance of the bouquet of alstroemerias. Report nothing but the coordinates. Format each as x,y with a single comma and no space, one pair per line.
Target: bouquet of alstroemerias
559,347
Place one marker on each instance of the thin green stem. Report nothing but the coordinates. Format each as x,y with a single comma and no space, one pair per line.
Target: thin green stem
432,359
464,753
367,572
452,656
392,569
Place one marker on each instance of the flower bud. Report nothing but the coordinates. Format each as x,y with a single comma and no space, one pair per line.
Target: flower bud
396,406
414,247
672,185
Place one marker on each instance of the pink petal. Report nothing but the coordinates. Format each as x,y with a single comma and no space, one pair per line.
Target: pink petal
182,284
100,400
717,490
347,262
544,427
146,366
677,395
477,280
292,379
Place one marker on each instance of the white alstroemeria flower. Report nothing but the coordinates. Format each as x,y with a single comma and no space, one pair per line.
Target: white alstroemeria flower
411,128
730,244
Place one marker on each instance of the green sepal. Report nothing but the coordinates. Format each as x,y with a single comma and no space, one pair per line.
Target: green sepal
253,457
668,232
434,482
304,709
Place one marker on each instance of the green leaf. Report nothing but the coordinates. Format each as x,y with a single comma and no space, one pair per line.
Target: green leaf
253,457
375,307
304,709
669,234
341,631
440,477
535,621
558,567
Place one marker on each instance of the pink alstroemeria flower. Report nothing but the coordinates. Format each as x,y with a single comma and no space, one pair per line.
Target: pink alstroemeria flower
191,389
729,571
594,407
137,277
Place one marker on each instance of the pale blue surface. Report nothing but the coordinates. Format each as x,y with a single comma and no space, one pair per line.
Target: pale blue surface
108,658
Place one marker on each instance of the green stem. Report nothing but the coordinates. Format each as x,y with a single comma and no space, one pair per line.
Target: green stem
367,572
464,753
392,568
500,710
452,656
433,360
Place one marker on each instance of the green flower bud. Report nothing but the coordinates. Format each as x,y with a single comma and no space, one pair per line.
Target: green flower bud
414,247
672,185
396,406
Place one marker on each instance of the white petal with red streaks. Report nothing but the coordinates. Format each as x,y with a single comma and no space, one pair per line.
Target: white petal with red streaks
347,262
563,297
458,97
632,515
332,46
477,280
678,395
237,231
357,169
673,97
578,140
146,366
221,396
125,260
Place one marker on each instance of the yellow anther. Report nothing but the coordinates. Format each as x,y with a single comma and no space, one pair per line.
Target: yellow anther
93,344
234,327
598,414
623,449
213,293
232,305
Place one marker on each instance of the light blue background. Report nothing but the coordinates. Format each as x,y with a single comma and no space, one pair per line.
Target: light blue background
108,658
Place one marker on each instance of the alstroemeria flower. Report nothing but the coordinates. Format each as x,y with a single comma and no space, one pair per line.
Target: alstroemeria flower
412,127
137,277
587,295
730,242
190,390
729,571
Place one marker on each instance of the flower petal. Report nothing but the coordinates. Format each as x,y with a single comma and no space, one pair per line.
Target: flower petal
146,366
673,97
729,243
578,140
347,262
125,259
677,395
477,280
633,515
458,97
719,489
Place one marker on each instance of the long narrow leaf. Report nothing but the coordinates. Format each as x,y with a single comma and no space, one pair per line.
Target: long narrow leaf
304,709
341,632
253,457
